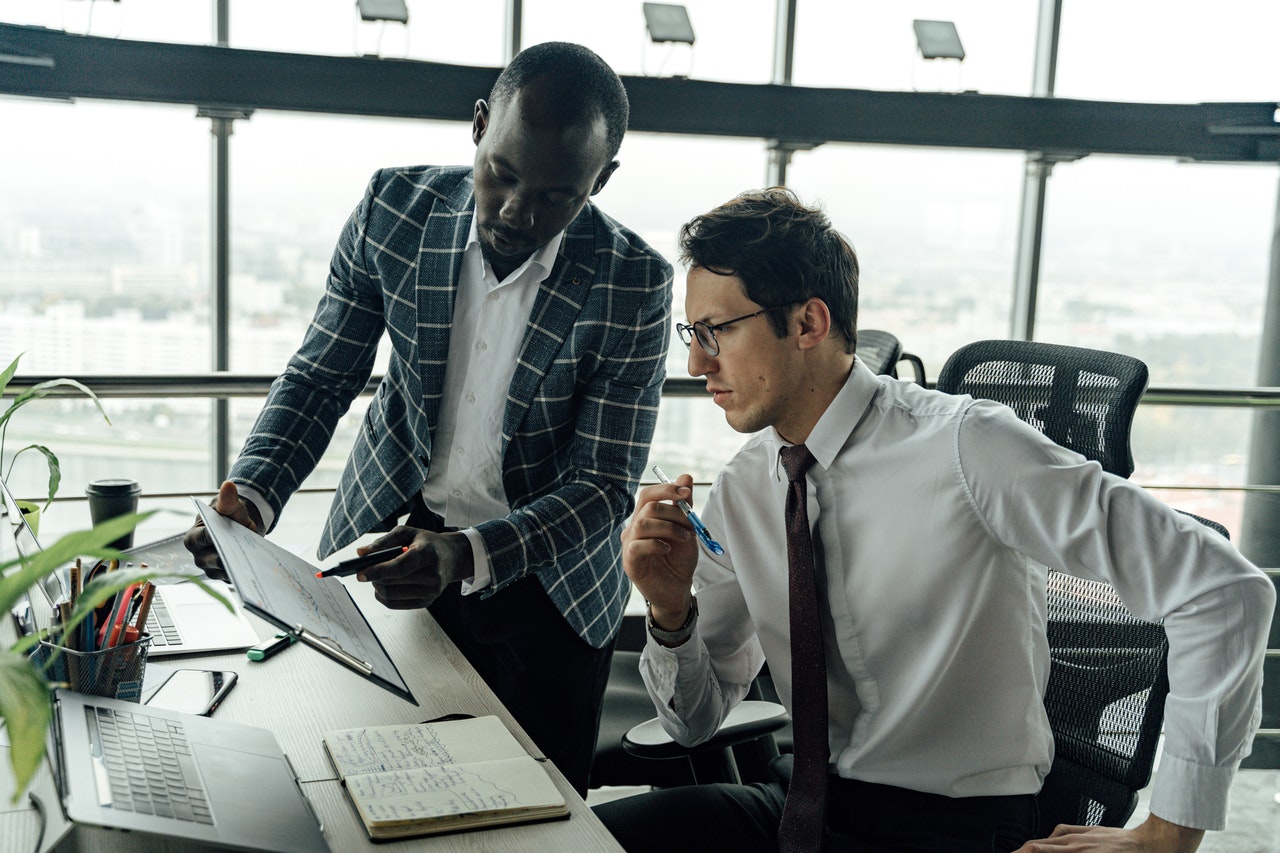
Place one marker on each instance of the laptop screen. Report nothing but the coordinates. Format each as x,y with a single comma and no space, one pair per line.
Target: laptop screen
17,540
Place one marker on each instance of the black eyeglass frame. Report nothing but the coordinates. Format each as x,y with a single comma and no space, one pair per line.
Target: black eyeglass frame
689,331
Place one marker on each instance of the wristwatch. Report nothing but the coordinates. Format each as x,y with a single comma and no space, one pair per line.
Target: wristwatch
678,636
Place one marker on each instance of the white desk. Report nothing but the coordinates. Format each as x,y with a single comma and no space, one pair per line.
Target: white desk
298,694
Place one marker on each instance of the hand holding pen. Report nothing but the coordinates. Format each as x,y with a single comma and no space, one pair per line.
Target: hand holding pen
704,535
350,567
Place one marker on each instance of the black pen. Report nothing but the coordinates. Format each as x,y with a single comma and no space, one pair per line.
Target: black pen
262,651
349,567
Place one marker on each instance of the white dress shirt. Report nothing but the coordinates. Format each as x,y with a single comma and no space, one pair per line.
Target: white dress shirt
464,484
935,517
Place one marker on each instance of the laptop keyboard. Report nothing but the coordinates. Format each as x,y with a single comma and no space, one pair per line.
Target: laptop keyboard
160,624
160,777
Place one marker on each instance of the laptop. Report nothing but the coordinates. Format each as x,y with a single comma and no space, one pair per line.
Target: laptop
183,620
120,765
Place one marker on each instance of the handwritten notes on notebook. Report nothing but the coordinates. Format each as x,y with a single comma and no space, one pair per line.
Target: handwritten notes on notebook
439,777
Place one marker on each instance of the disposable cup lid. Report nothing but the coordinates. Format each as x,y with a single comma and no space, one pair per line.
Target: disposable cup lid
113,487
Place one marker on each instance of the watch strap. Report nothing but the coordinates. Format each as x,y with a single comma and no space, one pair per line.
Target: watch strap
678,636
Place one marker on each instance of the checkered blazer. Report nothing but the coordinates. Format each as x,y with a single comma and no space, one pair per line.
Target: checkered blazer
580,410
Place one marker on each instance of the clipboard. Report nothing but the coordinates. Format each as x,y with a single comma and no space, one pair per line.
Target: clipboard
282,588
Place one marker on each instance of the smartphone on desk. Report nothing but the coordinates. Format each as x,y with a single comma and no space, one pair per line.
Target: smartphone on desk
191,691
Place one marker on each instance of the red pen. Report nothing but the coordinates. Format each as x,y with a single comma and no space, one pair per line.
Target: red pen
115,624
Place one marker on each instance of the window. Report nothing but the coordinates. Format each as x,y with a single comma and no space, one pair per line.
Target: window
1164,261
873,46
468,33
935,233
1180,52
734,42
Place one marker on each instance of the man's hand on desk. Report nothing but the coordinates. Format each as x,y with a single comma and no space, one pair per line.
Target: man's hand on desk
1155,835
197,540
417,577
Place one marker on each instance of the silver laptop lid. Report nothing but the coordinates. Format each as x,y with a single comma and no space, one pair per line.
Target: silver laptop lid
18,540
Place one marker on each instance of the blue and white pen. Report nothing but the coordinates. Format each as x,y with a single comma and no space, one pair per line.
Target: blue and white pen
698,527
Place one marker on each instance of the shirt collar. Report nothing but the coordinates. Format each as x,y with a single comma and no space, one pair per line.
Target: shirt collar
544,258
832,431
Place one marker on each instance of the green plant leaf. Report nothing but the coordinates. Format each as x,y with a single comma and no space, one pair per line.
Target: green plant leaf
35,392
84,543
55,469
9,372
44,389
24,706
24,692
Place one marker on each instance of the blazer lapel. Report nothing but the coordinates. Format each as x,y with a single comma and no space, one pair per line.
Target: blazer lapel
444,239
555,311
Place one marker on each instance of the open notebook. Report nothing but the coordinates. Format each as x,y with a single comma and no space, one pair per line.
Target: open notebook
429,778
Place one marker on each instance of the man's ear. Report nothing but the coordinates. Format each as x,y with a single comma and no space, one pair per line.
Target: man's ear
814,320
605,174
479,121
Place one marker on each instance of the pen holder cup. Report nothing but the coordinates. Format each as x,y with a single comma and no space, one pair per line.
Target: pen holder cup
115,672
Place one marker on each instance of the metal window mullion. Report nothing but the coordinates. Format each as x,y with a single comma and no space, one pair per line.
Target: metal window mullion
221,128
778,155
1035,183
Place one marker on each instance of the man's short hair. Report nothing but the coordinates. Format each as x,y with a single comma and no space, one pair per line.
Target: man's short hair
783,251
584,85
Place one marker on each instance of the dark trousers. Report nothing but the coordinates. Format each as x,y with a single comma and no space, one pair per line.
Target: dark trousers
861,818
550,679
547,676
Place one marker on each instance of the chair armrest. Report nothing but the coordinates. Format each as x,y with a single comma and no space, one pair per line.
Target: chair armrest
747,721
917,366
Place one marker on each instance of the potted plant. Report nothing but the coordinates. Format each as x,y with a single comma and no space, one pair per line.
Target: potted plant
30,509
25,708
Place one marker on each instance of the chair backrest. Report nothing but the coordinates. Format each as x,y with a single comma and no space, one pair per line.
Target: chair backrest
879,351
1107,671
1083,399
1105,701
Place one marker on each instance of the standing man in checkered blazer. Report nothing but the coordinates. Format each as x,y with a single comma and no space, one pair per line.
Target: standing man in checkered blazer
528,336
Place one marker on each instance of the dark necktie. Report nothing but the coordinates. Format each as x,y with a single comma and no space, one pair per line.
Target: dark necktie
805,809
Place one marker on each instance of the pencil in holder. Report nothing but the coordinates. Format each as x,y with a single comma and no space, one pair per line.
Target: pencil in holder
115,672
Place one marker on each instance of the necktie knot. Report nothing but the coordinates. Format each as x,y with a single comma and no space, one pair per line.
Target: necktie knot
796,460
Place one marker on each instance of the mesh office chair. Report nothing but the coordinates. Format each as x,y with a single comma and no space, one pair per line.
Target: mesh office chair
881,352
632,749
1107,675
1105,701
1083,399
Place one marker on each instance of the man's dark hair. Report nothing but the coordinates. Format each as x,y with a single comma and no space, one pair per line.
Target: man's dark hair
784,253
584,85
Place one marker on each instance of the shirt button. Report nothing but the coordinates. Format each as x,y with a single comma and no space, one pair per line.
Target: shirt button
482,346
457,494
461,451
471,398
493,297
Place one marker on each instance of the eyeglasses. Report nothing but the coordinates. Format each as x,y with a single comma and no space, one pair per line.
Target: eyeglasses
706,332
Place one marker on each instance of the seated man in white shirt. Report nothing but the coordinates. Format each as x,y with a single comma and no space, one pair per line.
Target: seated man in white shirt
930,644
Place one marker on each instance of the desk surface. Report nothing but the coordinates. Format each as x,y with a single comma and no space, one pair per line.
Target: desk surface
299,694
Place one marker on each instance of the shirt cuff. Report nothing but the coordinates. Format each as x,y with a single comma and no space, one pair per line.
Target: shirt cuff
483,577
255,497
1191,794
